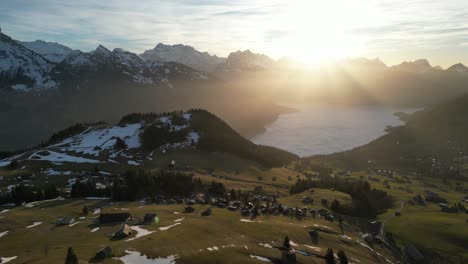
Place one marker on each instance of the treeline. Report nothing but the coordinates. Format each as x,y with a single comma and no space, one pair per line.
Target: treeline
71,131
139,184
25,194
88,188
366,201
216,135
147,117
157,135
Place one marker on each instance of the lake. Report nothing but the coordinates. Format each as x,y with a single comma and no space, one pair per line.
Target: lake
325,128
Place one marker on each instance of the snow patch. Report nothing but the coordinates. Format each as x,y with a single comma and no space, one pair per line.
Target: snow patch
164,228
94,229
6,260
140,232
74,223
314,248
260,258
60,157
265,245
4,233
134,257
34,224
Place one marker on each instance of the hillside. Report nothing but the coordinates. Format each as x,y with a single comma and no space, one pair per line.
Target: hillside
140,137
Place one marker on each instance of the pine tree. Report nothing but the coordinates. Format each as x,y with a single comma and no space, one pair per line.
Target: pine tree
329,257
71,257
233,195
287,244
342,257
85,210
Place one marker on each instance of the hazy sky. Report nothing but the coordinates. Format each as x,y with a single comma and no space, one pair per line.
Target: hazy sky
394,30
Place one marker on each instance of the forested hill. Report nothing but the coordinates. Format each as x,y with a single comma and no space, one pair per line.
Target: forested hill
142,136
432,139
216,135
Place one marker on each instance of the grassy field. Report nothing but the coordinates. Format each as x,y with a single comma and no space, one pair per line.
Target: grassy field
425,226
190,240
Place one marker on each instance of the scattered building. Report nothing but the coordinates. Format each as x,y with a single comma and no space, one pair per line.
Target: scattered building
65,221
104,253
114,218
123,232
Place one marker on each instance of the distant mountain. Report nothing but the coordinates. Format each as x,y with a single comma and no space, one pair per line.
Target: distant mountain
187,55
459,68
41,66
364,63
245,61
52,51
140,137
21,68
417,66
102,64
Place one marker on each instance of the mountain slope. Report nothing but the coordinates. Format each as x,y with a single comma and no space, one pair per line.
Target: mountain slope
21,68
187,55
138,137
52,51
245,61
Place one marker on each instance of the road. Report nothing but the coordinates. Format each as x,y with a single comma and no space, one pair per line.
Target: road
402,205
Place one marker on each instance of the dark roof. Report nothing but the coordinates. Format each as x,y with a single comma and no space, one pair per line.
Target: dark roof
114,218
104,253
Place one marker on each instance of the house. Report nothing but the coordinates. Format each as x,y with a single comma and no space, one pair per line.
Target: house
114,218
104,253
323,212
314,236
123,232
65,221
172,165
150,219
189,209
307,200
207,212
324,202
232,208
375,228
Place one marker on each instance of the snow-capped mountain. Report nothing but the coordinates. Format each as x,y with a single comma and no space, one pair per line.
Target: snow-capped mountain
23,69
187,55
40,66
245,60
458,68
120,64
52,51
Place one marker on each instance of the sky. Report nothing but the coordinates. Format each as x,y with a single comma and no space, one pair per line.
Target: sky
308,30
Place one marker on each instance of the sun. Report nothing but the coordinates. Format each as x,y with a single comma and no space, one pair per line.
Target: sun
322,31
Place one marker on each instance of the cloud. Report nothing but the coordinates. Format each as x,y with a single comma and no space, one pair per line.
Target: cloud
220,26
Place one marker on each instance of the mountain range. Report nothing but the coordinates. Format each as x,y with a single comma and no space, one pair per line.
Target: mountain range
41,65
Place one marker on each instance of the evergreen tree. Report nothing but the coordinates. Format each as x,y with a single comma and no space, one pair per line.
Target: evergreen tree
342,257
287,244
233,195
85,210
340,221
329,257
71,257
335,205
